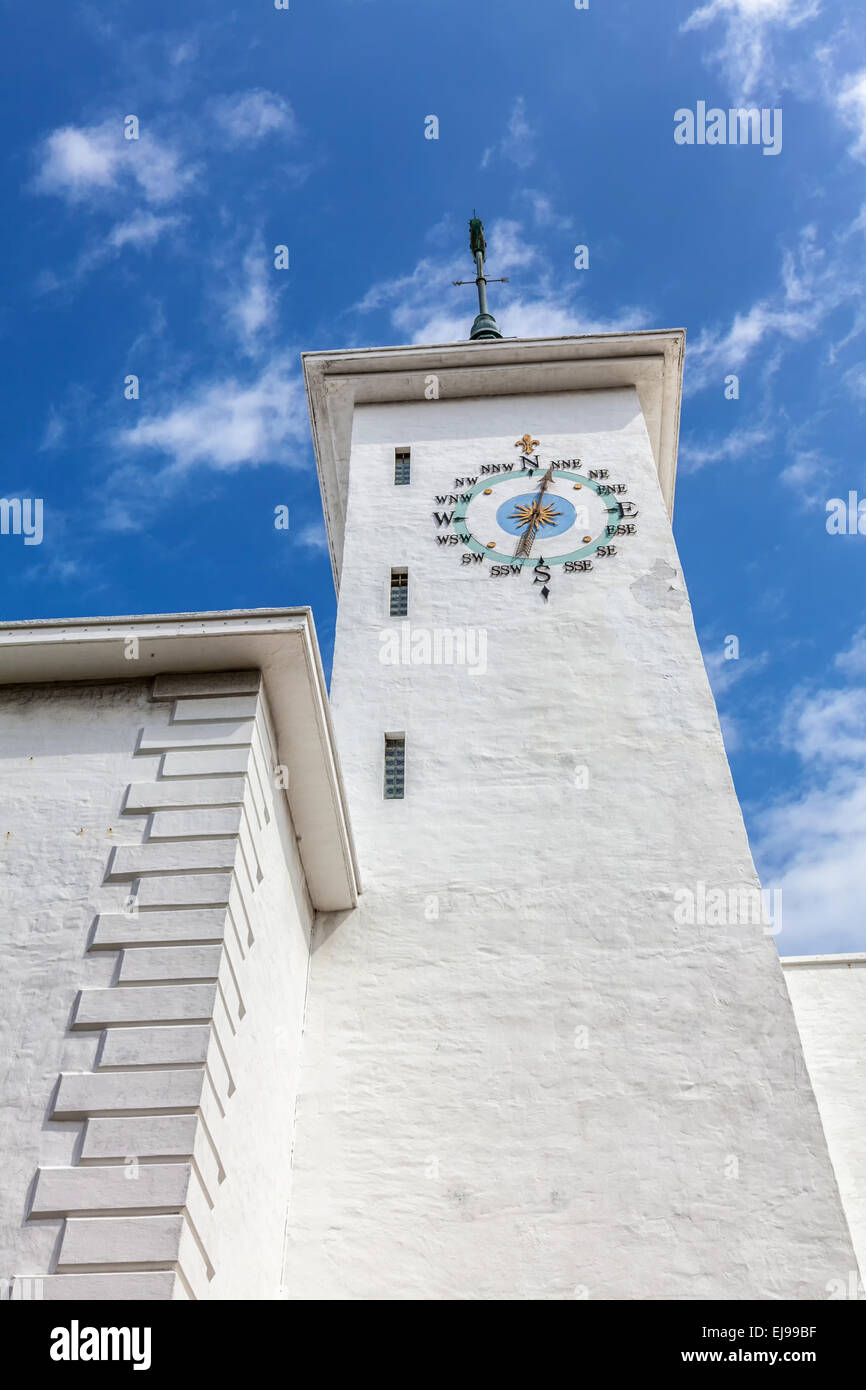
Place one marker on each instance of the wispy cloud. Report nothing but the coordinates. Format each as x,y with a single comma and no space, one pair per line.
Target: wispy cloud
851,107
853,659
544,214
536,304
54,432
746,53
518,143
227,423
812,843
725,672
246,118
313,536
95,163
813,283
804,475
250,301
739,444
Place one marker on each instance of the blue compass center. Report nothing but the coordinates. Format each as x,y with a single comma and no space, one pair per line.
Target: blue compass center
556,514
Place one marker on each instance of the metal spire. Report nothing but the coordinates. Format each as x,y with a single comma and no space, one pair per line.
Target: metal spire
485,325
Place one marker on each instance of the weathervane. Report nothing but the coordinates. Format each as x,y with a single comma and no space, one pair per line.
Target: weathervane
485,325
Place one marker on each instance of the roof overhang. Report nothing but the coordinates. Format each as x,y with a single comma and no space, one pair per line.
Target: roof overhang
651,362
281,643
844,962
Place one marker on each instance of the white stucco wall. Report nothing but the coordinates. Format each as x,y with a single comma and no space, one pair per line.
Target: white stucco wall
66,758
829,999
522,1077
201,993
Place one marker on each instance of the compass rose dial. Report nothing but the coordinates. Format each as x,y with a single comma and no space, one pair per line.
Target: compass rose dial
540,514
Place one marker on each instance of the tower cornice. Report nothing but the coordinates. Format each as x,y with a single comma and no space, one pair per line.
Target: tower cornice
650,361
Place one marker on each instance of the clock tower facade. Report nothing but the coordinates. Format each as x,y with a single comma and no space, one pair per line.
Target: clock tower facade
551,1052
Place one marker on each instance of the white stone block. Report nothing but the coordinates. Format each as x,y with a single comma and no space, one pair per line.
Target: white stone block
157,964
141,1136
205,762
111,1188
98,1008
151,1047
90,1093
182,890
159,928
203,823
134,1240
215,707
178,792
121,1240
172,856
157,739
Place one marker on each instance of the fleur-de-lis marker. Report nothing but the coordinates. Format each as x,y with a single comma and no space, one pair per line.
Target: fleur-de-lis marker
526,443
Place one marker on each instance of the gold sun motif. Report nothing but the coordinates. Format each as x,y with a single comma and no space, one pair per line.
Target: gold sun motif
531,513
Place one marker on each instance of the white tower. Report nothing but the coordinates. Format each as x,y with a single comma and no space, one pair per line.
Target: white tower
551,1053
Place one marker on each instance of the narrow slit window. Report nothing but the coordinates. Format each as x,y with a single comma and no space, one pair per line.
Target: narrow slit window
399,593
402,467
395,767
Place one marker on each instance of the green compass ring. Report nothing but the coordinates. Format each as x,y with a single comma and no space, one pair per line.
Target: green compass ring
558,520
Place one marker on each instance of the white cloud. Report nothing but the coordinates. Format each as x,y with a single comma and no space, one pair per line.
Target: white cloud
725,672
543,211
518,143
805,476
54,433
248,117
812,843
251,302
827,727
542,306
855,381
140,230
313,536
812,285
739,444
227,424
91,163
185,52
746,54
75,162
853,660
118,516
851,108
813,848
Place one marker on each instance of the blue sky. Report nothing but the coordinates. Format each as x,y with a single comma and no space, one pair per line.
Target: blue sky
306,127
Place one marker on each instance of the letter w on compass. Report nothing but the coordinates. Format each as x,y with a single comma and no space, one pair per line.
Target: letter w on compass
531,516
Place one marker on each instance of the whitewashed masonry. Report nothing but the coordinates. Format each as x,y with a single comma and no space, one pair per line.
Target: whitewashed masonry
158,1105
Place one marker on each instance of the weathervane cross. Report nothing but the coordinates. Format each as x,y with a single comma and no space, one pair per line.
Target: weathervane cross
485,325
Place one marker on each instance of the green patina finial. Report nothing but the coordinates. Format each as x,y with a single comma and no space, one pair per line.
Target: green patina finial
485,325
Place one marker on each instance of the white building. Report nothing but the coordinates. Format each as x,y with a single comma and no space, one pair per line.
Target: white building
494,1012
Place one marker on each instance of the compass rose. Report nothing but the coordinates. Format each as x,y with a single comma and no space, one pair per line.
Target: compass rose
535,514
